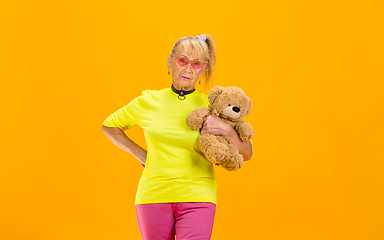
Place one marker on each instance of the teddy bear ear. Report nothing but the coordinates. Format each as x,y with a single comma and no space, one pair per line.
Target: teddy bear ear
215,91
249,106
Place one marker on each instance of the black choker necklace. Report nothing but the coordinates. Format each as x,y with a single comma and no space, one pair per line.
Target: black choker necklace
182,93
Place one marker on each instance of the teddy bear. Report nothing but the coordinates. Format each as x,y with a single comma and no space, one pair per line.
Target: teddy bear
230,104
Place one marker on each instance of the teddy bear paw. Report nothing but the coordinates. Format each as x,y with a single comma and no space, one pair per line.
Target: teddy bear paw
217,154
234,163
231,166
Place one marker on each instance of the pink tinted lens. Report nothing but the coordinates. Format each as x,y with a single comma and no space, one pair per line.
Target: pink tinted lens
195,64
182,61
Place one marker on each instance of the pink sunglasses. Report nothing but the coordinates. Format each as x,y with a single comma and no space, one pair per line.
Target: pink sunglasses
182,61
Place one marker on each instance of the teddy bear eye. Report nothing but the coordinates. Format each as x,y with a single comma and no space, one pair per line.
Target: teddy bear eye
229,104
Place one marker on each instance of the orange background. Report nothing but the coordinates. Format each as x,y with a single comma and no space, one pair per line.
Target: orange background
314,71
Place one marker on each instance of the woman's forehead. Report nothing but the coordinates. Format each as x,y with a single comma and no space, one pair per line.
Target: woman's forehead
191,53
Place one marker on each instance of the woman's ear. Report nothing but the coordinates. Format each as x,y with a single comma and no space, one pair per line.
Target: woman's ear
169,61
201,74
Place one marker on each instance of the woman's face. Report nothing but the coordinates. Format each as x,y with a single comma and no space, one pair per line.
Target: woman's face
184,77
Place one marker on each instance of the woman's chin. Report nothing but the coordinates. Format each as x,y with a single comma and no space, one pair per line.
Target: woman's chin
185,84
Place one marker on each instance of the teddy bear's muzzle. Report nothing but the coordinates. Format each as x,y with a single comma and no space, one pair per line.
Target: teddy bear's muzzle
232,112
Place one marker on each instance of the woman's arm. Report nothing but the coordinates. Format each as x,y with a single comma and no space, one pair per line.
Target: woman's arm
118,137
214,125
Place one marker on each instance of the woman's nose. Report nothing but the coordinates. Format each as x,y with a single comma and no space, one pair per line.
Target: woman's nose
188,67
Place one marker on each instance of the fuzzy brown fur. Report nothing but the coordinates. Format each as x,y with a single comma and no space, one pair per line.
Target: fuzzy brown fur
230,104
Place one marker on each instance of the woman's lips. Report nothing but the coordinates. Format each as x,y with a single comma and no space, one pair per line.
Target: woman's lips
186,78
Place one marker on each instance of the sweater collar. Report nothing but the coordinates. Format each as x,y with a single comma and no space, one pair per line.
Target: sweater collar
181,93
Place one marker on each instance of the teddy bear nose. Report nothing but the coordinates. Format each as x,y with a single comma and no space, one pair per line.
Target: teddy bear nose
236,109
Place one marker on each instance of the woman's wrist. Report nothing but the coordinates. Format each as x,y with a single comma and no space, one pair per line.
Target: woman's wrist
245,148
141,154
230,134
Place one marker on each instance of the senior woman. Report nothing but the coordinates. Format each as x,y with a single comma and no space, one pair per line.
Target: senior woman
176,194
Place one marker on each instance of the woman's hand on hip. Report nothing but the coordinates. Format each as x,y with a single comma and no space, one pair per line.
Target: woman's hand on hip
121,140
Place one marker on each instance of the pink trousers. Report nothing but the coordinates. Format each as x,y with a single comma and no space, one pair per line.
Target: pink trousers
186,220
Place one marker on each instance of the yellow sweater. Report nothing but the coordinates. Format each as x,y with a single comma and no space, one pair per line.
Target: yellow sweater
174,170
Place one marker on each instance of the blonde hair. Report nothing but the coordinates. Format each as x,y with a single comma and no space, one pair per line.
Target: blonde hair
195,47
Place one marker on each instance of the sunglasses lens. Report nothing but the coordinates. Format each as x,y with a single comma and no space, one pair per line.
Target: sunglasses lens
182,61
197,64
